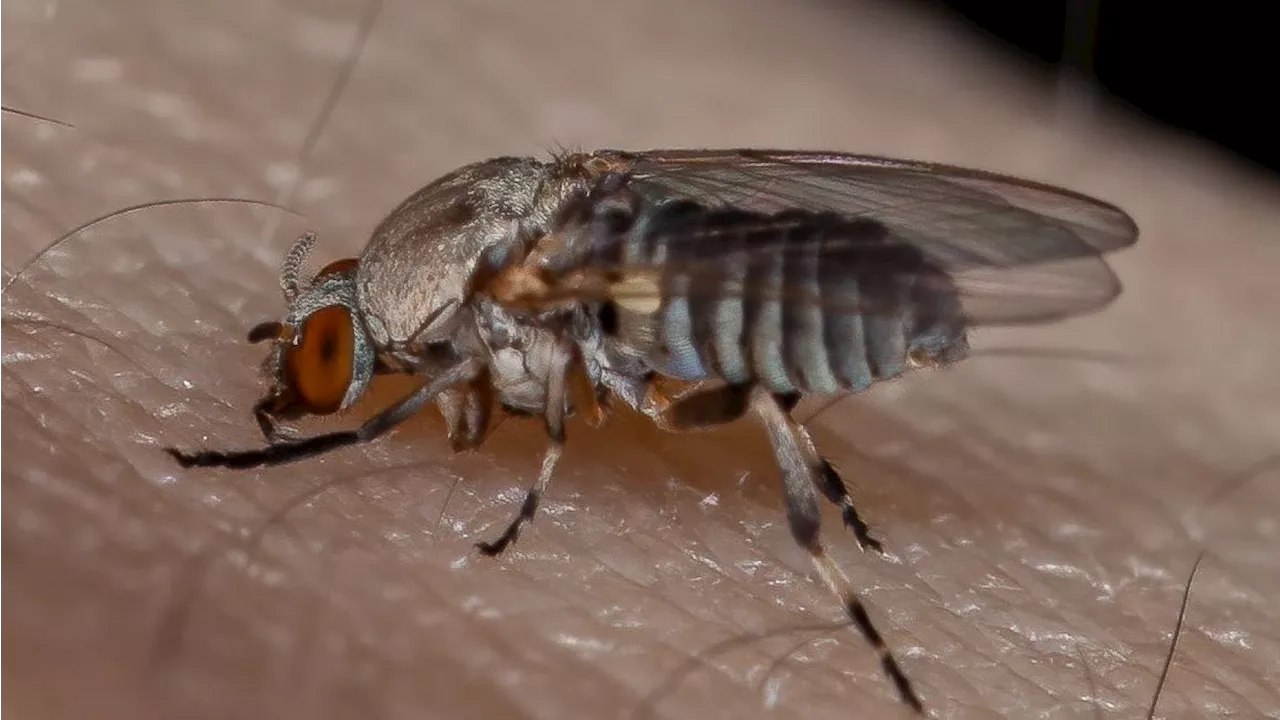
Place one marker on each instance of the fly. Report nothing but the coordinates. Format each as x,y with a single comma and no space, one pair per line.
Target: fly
694,286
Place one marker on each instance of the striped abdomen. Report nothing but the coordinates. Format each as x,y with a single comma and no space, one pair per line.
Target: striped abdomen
798,301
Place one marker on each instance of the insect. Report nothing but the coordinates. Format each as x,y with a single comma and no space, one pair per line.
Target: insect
694,286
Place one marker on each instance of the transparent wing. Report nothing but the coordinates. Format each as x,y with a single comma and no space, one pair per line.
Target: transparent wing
1016,251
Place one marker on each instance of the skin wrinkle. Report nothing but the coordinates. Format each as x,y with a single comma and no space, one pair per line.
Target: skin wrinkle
44,215
127,399
690,612
1085,469
702,659
375,162
44,413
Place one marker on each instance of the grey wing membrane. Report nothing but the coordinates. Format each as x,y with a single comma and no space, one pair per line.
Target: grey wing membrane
1017,252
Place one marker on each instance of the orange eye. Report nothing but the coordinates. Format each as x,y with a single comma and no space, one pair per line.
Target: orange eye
318,368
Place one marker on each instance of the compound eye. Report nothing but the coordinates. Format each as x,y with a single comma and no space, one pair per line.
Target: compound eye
318,366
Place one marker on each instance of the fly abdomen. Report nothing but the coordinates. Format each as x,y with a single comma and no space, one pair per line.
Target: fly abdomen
797,301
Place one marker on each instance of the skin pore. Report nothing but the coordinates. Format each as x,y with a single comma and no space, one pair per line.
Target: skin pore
1039,516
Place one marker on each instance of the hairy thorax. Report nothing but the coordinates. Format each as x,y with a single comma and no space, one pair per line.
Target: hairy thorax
420,258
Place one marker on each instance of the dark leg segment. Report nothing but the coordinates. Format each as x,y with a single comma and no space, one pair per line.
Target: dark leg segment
528,507
788,401
292,450
834,488
833,485
801,468
698,410
685,405
556,398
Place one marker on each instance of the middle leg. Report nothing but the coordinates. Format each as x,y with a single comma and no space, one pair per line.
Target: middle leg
556,397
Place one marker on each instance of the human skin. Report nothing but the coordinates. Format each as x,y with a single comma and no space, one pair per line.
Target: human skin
1040,515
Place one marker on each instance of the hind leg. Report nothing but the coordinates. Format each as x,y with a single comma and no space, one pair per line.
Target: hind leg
831,484
802,474
834,489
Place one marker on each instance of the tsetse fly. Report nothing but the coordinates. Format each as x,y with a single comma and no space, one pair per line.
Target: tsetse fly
694,286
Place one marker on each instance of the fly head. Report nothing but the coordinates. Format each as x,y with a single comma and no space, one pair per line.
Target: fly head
321,357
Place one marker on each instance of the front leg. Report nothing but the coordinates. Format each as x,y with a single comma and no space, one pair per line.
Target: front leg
287,451
467,411
558,381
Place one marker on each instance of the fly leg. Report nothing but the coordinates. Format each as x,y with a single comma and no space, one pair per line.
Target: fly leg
264,412
586,399
838,493
558,382
530,504
682,406
801,476
286,451
833,486
466,412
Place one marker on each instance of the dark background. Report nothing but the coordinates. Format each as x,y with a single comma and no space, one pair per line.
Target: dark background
1205,69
